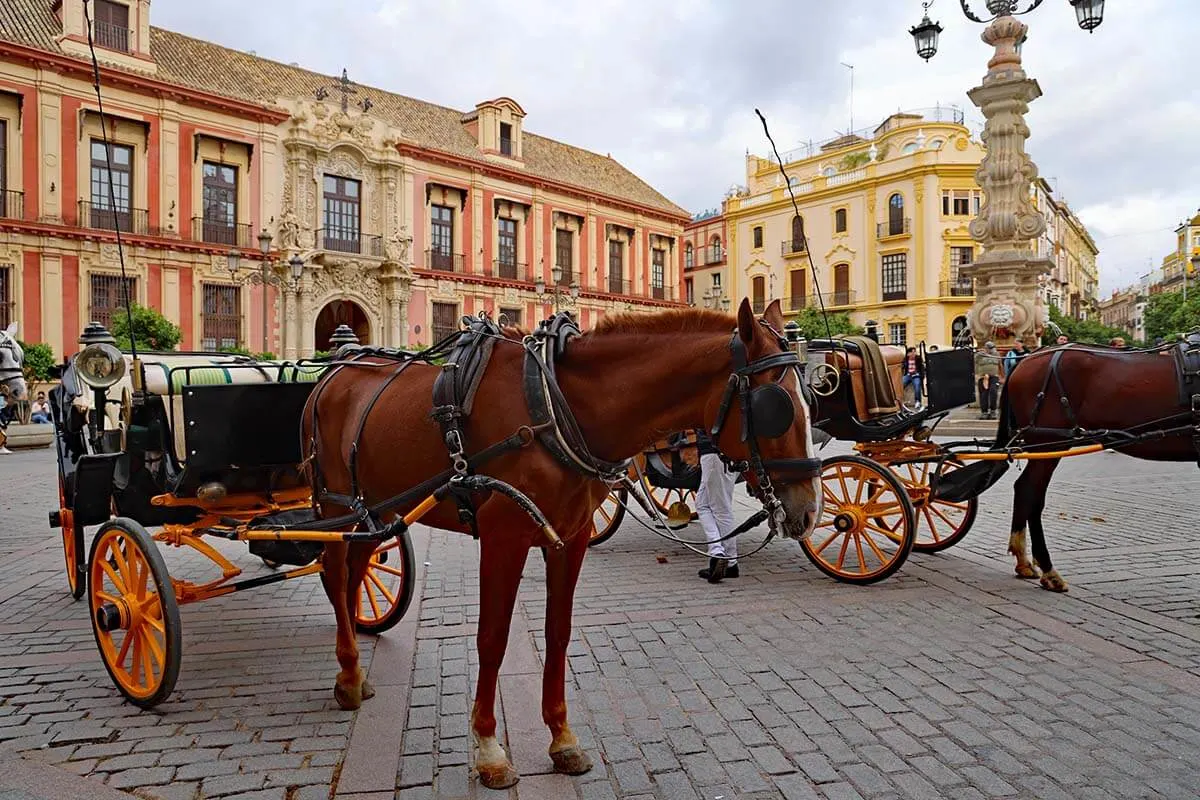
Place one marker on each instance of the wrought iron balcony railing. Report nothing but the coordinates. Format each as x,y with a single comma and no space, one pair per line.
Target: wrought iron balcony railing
895,227
111,37
963,287
509,270
103,217
445,262
833,299
792,247
234,234
340,240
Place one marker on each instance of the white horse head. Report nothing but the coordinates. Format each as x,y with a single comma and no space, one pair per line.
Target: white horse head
12,357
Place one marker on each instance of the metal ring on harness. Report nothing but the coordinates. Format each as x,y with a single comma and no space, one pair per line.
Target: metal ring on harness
824,380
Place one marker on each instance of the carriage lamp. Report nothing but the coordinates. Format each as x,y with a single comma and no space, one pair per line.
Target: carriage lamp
95,333
792,331
342,335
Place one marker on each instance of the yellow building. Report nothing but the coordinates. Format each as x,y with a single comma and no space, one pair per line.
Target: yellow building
401,215
1178,262
882,227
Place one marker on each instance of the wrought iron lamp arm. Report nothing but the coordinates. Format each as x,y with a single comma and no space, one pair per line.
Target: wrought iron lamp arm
999,8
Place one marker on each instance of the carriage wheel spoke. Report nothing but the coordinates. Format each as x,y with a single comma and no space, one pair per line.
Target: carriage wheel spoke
123,651
883,558
821,547
862,561
933,528
370,593
389,570
382,589
841,561
117,583
135,666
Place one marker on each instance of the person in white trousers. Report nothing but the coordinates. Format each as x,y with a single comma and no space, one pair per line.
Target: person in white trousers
714,504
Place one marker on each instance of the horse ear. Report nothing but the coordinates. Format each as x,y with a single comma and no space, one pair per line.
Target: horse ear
747,325
11,330
774,315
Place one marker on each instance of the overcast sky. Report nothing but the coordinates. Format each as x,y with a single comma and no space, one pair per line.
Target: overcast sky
669,87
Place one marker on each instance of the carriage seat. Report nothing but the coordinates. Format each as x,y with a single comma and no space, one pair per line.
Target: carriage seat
848,356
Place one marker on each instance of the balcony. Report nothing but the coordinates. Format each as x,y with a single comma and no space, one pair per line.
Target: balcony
833,299
232,234
111,37
12,204
102,217
710,255
508,270
445,262
616,285
662,292
340,240
792,247
566,276
963,287
895,227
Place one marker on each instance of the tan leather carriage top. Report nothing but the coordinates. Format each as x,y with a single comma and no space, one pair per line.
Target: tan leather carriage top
893,356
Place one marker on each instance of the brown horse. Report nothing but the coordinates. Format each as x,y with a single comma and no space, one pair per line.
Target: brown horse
631,380
1086,389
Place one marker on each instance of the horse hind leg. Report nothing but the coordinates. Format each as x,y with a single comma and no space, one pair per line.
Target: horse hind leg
501,561
1022,503
562,575
347,688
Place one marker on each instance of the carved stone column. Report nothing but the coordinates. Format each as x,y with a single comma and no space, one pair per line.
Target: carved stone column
1007,304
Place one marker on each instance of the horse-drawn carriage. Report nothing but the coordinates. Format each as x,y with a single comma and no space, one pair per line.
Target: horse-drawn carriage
196,445
878,505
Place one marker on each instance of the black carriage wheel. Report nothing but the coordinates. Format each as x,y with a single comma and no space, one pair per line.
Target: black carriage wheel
850,543
607,518
135,615
940,524
387,589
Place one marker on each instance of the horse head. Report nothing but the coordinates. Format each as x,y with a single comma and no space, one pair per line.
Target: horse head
774,425
12,357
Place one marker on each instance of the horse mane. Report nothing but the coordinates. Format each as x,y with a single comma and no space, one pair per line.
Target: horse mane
686,320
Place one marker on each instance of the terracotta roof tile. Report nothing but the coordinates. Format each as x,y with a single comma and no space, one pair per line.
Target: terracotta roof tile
209,67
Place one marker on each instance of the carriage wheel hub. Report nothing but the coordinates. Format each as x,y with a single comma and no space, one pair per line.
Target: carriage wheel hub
112,616
849,520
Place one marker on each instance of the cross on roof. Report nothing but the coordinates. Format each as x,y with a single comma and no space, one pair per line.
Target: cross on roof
346,88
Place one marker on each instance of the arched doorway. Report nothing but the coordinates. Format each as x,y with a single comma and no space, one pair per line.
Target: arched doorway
341,312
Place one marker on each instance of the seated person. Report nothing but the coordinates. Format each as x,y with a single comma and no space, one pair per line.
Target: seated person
41,410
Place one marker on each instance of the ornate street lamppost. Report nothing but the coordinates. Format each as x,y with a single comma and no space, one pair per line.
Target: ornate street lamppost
1007,303
715,298
539,286
265,276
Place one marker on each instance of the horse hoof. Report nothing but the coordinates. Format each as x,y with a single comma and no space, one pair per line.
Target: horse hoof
368,691
348,698
571,761
498,776
1053,582
1027,571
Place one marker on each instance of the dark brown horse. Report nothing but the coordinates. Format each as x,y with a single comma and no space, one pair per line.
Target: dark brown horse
1096,389
630,381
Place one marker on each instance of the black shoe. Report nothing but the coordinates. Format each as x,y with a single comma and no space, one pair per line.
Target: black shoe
717,570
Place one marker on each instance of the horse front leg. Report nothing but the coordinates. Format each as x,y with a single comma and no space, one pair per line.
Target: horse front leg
501,561
1022,505
1050,580
562,575
358,560
347,688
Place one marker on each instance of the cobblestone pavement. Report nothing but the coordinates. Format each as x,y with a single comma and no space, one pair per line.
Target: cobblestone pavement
951,679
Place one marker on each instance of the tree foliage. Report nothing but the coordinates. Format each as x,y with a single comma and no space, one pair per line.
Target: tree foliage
152,331
1167,314
266,355
1085,331
812,324
39,360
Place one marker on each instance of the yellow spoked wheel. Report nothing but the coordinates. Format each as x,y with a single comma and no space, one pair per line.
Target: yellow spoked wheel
939,524
72,537
867,525
607,518
135,617
387,590
678,506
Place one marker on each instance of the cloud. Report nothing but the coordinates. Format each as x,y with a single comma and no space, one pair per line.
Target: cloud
669,87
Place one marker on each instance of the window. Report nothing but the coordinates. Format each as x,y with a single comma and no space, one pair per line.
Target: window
714,251
958,203
441,238
961,256
841,284
716,278
896,214
445,321
796,279
689,291
689,256
797,242
110,25
758,238
909,148
3,155
564,252
898,333
220,204
512,316
839,221
221,320
506,252
616,267
112,190
343,214
108,295
829,172
759,292
976,200
658,271
506,140
895,276
6,297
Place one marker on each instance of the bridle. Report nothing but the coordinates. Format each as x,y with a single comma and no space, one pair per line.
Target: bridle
10,344
767,411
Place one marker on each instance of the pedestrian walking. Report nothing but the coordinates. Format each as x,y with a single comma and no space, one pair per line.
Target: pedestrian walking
987,368
714,505
1013,358
914,375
